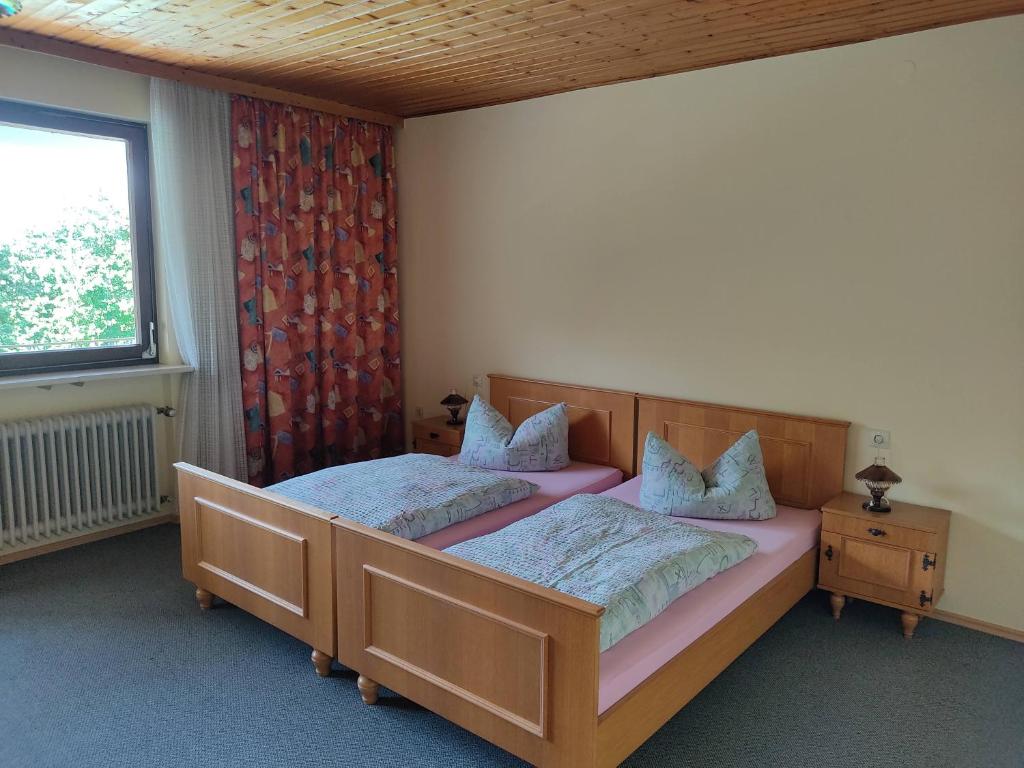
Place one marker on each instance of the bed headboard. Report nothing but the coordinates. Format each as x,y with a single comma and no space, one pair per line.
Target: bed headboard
803,455
602,422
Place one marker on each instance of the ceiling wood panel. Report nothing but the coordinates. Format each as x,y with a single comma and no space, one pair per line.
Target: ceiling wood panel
413,57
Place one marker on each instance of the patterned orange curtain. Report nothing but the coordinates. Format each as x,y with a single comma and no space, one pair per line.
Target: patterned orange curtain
318,288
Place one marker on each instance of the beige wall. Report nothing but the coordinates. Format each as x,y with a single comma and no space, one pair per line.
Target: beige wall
41,79
837,233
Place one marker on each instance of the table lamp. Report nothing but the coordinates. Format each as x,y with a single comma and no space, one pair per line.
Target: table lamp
454,402
879,479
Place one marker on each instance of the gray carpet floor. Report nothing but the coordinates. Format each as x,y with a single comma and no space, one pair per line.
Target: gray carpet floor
105,660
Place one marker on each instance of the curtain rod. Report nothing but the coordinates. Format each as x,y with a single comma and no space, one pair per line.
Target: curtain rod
55,47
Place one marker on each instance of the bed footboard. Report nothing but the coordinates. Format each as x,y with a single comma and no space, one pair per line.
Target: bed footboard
508,660
266,554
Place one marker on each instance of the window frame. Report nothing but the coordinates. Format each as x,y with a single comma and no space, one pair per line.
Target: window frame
136,138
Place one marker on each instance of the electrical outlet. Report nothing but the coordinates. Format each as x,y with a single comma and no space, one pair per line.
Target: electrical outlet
419,411
879,438
478,381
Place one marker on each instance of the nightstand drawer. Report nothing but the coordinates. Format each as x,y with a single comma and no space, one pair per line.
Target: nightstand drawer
870,568
434,433
879,531
432,446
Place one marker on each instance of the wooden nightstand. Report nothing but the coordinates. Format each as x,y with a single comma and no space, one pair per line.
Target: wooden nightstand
896,558
435,436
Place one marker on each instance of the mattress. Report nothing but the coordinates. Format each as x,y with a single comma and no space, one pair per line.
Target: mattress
578,477
780,542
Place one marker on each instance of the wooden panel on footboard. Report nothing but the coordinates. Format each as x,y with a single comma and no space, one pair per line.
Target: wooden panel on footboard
508,660
267,555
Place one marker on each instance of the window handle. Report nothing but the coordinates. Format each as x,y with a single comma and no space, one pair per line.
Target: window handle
150,353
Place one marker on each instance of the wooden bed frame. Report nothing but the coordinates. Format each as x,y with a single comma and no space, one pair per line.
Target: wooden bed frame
517,663
272,556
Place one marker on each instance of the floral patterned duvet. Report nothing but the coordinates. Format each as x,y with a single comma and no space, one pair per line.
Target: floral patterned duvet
408,496
632,562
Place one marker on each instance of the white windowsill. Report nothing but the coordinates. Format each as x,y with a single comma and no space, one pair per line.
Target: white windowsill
81,378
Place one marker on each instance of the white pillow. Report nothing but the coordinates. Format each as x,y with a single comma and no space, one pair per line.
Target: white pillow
541,443
734,487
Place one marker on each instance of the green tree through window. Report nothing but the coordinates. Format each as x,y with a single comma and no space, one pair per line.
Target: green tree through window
70,286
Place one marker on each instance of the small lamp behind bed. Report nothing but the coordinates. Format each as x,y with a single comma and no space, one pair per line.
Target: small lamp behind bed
454,402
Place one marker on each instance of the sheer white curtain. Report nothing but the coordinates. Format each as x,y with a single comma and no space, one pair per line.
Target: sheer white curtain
190,133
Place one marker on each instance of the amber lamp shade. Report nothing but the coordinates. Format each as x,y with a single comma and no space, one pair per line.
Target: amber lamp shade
879,479
454,403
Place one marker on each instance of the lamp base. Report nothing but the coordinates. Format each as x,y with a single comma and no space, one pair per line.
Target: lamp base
454,421
879,504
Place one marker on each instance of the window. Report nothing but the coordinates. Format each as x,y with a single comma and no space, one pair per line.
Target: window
76,255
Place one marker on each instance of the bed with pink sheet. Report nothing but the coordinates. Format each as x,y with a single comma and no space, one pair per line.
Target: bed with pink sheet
781,542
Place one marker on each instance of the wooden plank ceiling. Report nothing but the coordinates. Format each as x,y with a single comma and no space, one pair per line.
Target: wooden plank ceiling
415,57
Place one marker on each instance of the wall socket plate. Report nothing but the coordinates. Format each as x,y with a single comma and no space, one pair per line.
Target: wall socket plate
879,438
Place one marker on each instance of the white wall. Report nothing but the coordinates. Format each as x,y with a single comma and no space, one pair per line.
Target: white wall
42,79
53,81
837,233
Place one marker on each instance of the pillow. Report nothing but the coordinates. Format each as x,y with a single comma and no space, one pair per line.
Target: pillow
734,487
541,443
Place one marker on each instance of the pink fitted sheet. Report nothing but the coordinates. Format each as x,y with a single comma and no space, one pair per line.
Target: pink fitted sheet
780,542
554,486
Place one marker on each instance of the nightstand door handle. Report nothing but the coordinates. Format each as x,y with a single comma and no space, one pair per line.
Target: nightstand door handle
829,553
876,531
434,435
927,562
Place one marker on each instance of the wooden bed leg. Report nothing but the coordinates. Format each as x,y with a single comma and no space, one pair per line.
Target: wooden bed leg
837,601
909,621
204,598
322,662
368,689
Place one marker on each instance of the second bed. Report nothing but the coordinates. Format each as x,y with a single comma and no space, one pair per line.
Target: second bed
520,664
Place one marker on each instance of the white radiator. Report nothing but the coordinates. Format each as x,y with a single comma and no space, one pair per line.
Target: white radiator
76,474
